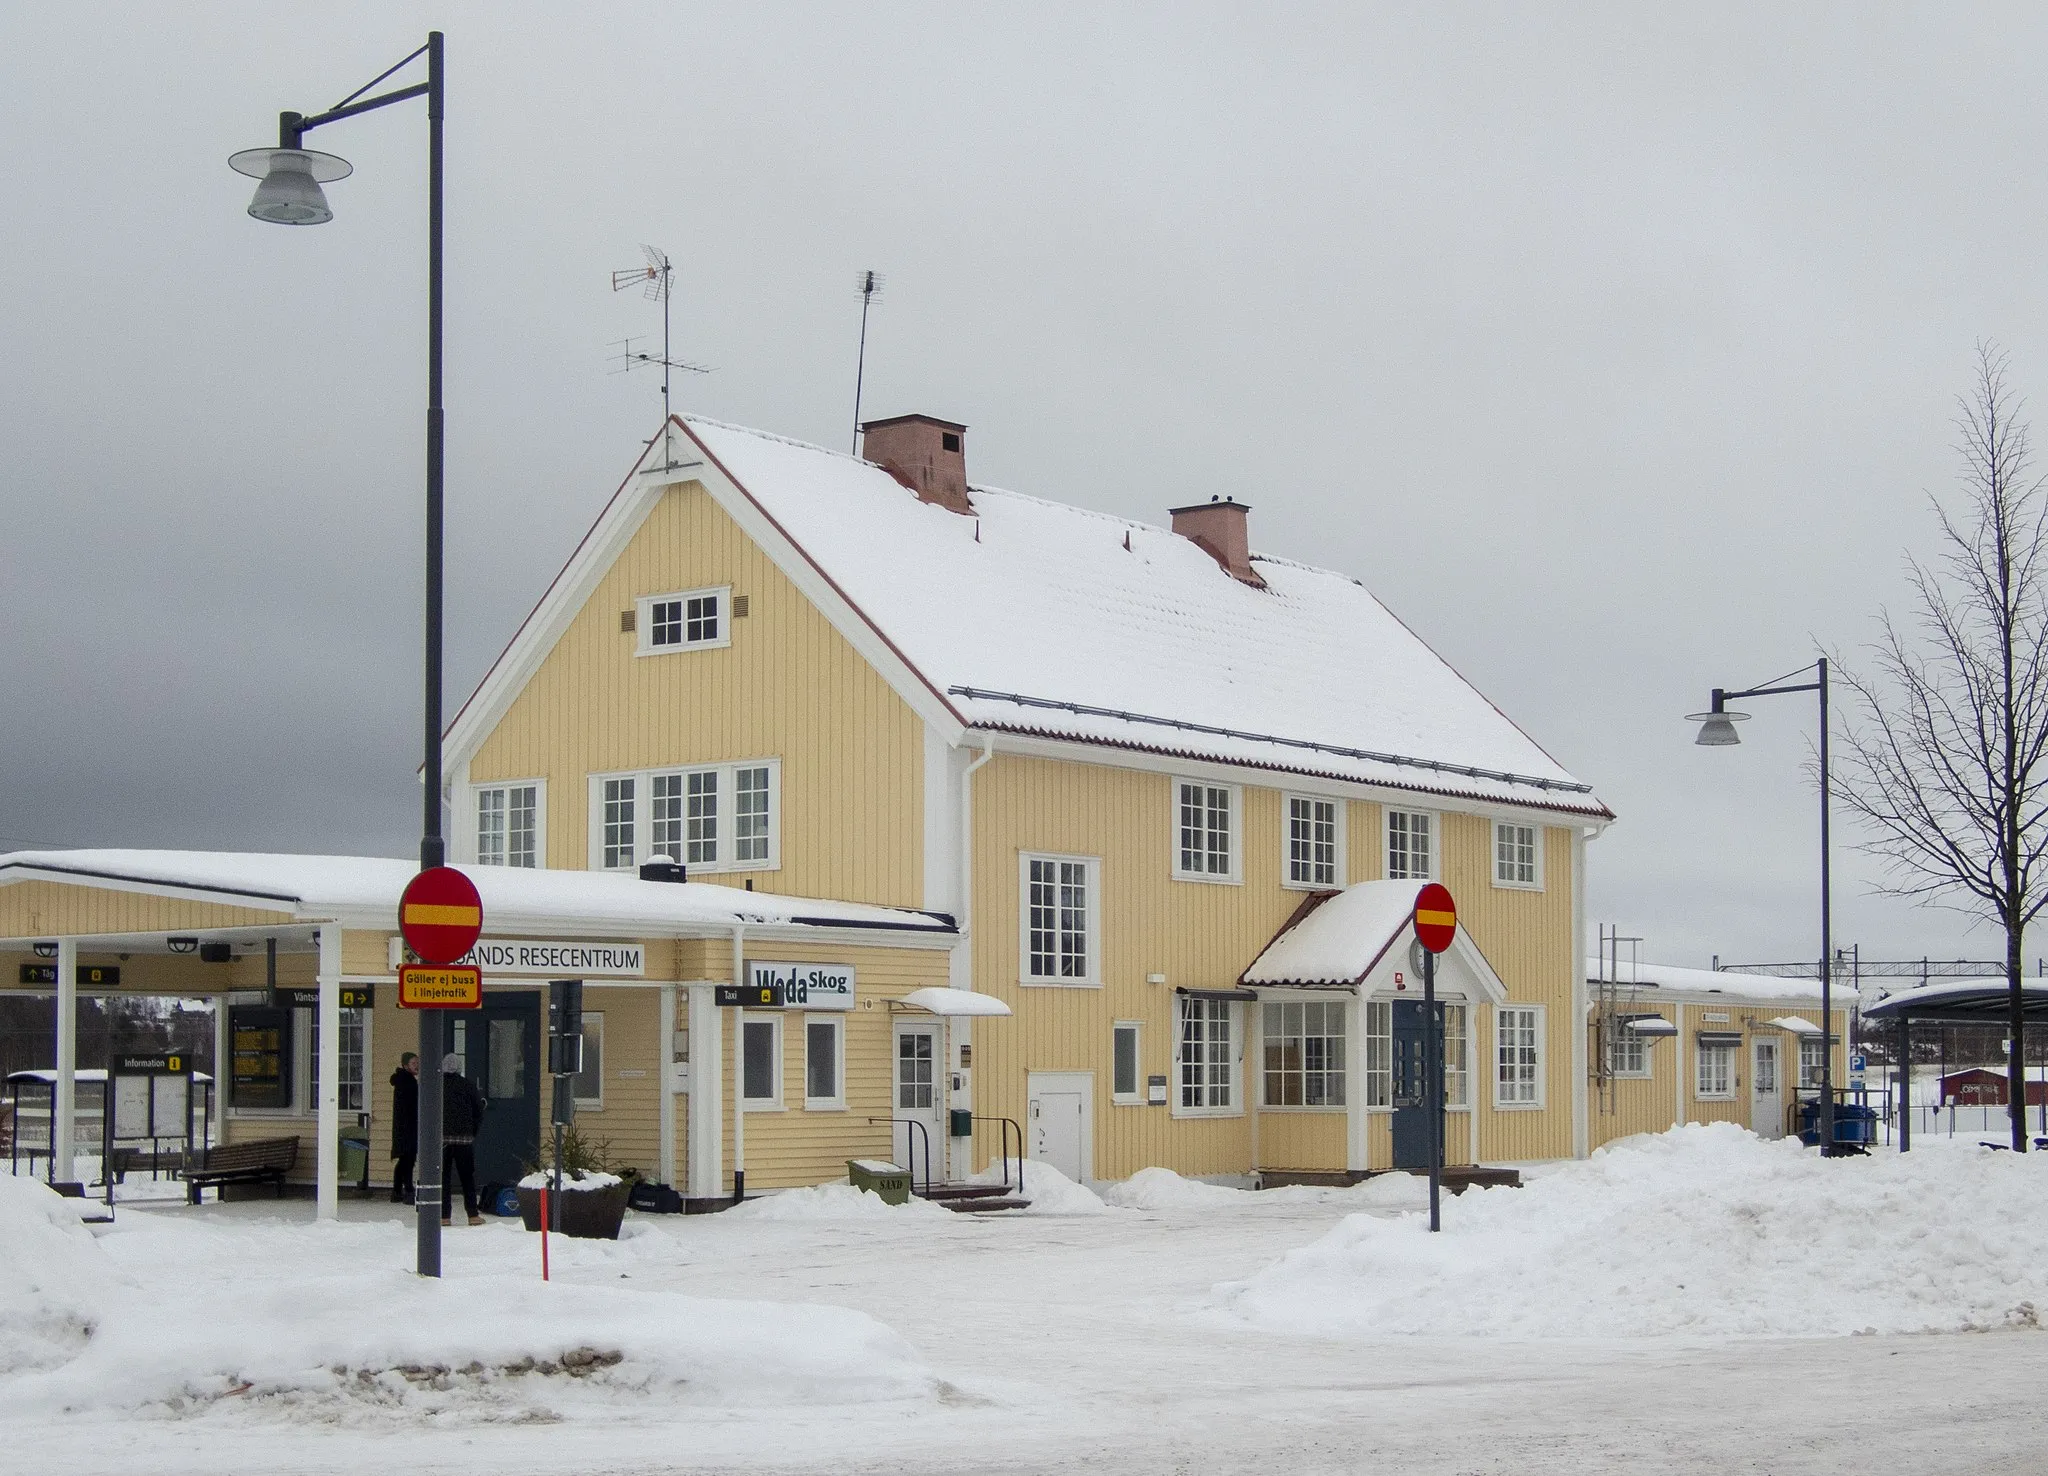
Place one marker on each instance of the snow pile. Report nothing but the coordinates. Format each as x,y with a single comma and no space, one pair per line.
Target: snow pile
829,1202
1397,1191
1700,1230
1050,1191
53,1278
1163,1189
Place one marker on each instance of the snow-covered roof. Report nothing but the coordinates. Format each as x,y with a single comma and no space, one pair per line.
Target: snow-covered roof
1341,939
363,891
1985,998
1782,987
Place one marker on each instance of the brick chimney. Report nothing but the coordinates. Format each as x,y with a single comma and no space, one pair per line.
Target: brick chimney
1219,529
925,454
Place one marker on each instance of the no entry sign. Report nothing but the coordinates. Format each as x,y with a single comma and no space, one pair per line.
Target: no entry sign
1436,917
440,915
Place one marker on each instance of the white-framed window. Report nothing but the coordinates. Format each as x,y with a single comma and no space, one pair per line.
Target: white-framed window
1314,842
1411,845
1810,1053
1517,855
1764,1068
687,620
511,823
1456,1087
824,1063
1061,919
710,817
1127,1079
1205,831
1628,1054
355,1038
1302,1043
1206,1058
1714,1069
1518,1056
916,1071
587,1085
1379,1053
761,1062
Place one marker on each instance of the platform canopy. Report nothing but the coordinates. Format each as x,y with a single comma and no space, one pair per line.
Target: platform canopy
1358,939
1963,1002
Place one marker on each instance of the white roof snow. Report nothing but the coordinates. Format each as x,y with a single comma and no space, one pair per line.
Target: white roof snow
1035,617
1780,987
364,891
1339,941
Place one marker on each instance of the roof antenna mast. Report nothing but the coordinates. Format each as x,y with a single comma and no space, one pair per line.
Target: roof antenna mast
657,278
869,286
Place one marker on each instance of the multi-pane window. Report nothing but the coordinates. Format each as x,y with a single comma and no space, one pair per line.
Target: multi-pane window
1311,841
823,1040
587,1085
1766,1068
1058,947
1379,1052
1304,1053
1514,855
1810,1053
618,822
1518,1056
1207,1056
1454,1056
761,1062
1716,1068
354,1036
674,622
1628,1054
716,818
1125,1083
508,825
1206,831
914,1071
1410,845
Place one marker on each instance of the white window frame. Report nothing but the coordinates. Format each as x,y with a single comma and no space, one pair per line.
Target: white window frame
540,818
1233,817
643,621
727,801
1135,1097
837,1024
1436,843
1376,1017
1339,870
593,1028
1534,881
1456,1045
1340,1069
1725,1050
774,1024
1807,1076
1639,1049
1539,1021
1234,1025
1091,975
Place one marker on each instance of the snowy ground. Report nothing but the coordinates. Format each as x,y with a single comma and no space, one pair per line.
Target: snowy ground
1188,1329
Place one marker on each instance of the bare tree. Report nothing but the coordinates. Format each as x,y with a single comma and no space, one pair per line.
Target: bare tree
1947,752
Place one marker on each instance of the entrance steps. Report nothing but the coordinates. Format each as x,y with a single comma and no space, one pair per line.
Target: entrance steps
973,1199
1457,1177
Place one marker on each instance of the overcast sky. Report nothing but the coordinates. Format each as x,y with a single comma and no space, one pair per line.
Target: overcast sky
1616,350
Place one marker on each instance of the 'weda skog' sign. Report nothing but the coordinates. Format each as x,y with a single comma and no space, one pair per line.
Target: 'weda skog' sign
807,986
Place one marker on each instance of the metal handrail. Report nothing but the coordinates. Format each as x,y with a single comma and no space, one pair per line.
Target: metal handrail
1009,1124
923,1134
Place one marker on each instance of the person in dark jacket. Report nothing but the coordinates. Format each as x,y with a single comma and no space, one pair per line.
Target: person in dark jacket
462,1113
405,1125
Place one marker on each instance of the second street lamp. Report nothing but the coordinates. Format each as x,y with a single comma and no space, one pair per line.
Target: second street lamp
1717,730
290,194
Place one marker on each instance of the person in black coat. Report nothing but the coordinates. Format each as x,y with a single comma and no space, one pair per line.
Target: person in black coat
405,1125
462,1113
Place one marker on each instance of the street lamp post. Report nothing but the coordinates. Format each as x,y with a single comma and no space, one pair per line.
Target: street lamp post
290,194
1717,730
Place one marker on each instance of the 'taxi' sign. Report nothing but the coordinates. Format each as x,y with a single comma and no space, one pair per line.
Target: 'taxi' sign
1436,917
440,915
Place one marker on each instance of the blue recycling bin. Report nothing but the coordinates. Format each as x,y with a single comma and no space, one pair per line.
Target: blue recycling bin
1855,1124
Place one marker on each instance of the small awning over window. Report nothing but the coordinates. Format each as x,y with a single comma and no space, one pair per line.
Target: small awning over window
1796,1025
1719,1037
953,1002
1648,1025
1244,994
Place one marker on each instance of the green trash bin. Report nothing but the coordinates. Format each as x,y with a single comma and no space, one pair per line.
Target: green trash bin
878,1176
354,1159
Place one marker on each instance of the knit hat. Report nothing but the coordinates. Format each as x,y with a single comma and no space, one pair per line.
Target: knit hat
451,1062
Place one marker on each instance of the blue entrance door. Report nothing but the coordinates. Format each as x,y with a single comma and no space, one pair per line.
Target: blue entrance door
500,1050
1411,1086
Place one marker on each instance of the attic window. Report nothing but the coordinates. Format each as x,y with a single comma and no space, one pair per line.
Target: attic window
688,620
948,441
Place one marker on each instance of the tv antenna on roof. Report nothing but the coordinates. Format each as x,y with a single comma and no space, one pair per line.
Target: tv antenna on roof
657,279
869,286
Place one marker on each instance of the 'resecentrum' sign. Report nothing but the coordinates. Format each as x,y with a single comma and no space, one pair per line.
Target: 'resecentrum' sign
559,957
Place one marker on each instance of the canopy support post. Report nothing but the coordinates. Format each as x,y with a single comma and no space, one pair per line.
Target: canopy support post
64,1102
327,1176
1905,1083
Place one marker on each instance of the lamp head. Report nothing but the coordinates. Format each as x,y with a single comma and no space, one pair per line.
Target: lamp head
290,192
1717,728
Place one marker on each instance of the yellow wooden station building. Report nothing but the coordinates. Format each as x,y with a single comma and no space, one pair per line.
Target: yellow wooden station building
1121,826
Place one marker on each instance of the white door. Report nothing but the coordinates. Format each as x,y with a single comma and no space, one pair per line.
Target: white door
1766,1096
917,1138
1060,1121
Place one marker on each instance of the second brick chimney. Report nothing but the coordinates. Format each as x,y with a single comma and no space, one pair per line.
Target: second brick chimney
1219,528
925,454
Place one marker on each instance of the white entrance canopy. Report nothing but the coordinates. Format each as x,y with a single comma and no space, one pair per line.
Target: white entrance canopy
954,1003
1357,939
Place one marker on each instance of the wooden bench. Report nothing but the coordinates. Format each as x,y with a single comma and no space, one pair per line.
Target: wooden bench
241,1163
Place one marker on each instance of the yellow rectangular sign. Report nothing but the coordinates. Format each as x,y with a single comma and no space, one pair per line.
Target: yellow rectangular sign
453,988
